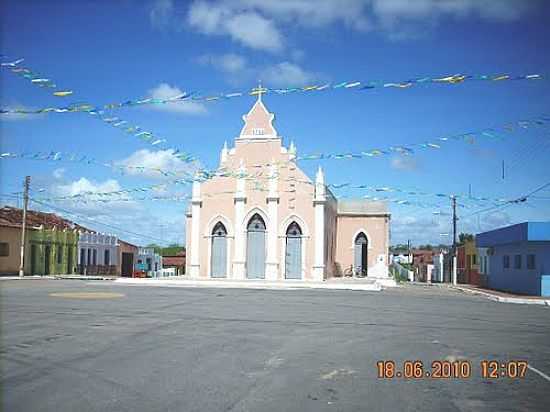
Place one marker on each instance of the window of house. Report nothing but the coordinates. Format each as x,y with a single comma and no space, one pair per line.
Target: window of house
107,258
4,249
506,261
517,262
485,270
530,261
474,259
59,255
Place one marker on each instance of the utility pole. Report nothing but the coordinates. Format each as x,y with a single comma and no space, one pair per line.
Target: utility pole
24,225
453,200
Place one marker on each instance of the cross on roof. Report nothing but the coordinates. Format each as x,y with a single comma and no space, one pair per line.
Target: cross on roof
258,90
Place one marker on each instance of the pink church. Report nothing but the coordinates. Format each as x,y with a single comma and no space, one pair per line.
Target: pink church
265,219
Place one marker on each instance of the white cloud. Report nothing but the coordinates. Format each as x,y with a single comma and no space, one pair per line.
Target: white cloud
501,10
260,24
160,159
255,31
58,173
128,212
314,13
237,71
404,163
228,63
165,91
246,27
84,185
286,74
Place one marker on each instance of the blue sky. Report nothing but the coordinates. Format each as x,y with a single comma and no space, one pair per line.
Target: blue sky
114,51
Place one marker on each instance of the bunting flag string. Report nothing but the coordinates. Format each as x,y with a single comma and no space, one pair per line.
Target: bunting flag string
187,197
116,195
202,175
205,174
113,121
198,96
35,78
84,159
406,149
435,144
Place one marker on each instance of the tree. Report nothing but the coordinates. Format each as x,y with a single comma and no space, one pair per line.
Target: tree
464,237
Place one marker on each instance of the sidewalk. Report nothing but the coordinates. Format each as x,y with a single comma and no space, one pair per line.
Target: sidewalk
74,277
498,296
365,285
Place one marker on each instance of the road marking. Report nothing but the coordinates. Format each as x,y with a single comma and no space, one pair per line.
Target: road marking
545,376
86,295
337,372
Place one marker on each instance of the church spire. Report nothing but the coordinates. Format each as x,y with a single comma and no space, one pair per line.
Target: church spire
258,122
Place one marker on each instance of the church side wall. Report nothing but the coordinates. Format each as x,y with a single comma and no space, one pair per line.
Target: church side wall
376,229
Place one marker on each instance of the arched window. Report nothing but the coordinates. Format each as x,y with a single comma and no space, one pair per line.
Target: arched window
293,254
255,248
256,223
218,259
361,255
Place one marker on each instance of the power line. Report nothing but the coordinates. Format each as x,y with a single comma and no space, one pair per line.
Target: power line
518,200
91,220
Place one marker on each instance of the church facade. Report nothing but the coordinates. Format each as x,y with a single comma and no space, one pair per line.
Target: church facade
265,219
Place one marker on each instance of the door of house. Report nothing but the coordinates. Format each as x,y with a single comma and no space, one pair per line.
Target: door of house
127,264
47,254
33,260
360,255
255,248
82,260
69,260
545,285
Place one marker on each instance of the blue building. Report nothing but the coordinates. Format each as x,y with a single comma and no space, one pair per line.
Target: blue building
517,258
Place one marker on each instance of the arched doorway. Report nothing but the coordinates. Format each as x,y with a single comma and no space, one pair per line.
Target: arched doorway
360,255
293,254
255,248
218,259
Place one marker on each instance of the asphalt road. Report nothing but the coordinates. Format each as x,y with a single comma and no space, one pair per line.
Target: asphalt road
132,348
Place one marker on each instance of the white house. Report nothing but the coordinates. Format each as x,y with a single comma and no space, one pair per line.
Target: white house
97,253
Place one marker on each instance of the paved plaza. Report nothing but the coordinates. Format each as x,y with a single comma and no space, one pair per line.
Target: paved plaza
99,346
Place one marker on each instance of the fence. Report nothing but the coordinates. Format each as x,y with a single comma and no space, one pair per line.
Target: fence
402,273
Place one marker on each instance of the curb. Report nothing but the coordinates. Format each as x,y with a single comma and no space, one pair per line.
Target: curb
56,277
247,285
29,277
76,277
504,299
